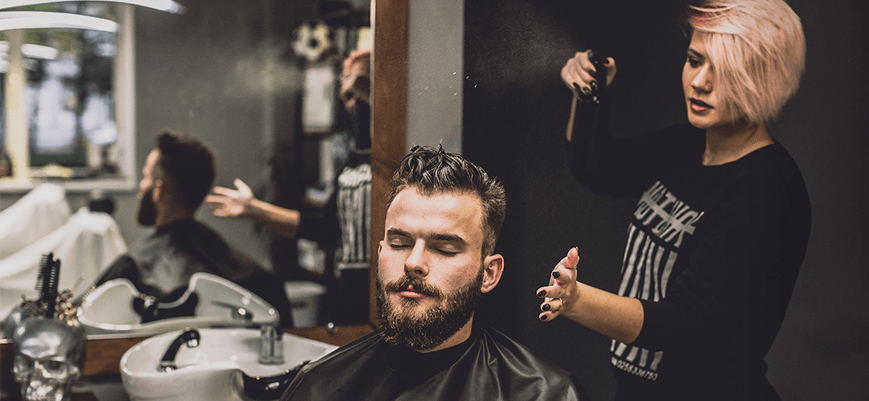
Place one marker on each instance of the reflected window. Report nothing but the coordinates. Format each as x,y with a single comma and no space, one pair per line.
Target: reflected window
71,81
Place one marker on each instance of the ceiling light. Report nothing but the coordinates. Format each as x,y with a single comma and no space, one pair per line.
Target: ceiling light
39,51
168,6
11,20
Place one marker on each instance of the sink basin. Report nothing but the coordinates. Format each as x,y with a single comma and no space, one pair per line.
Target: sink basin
109,308
213,370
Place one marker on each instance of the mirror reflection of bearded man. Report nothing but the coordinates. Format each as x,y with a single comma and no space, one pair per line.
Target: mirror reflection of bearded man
177,175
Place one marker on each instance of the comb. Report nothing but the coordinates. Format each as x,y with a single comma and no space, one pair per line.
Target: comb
47,282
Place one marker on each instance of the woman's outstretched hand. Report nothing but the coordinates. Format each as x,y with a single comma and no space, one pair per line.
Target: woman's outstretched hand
576,74
225,202
563,290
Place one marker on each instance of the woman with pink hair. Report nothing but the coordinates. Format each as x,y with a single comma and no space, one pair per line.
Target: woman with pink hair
722,224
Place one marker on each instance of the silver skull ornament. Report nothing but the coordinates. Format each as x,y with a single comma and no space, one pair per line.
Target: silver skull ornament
49,356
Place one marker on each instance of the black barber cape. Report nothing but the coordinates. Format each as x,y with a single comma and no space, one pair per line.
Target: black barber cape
488,366
160,265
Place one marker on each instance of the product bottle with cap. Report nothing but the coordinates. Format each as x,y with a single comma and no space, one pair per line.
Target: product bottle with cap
591,117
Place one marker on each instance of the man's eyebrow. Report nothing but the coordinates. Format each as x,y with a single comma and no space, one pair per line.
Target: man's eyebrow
440,237
448,238
397,232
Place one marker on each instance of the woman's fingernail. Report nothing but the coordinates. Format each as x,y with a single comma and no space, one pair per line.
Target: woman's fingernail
556,274
541,293
593,85
547,307
543,317
586,91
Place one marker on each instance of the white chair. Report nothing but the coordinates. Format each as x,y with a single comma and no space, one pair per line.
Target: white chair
37,214
85,245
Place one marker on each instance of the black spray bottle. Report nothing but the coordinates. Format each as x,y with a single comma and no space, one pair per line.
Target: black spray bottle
591,118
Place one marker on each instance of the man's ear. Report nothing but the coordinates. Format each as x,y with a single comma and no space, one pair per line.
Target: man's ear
493,266
158,192
161,190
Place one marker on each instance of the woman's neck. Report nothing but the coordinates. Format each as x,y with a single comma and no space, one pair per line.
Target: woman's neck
731,143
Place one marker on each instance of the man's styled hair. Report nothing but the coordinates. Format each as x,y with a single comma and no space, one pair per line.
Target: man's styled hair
758,51
434,171
187,165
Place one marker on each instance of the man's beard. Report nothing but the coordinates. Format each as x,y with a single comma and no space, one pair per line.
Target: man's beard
147,213
404,324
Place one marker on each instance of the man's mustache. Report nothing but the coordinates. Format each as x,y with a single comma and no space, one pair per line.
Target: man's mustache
419,285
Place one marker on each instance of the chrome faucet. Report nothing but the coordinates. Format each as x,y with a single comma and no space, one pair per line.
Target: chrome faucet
237,313
190,337
271,350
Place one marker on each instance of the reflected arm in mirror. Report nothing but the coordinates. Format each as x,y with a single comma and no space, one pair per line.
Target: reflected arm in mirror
240,203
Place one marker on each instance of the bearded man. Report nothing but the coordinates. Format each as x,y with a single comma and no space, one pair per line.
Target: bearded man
436,259
177,175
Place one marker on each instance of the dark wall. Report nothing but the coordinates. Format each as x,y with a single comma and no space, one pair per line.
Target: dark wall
515,111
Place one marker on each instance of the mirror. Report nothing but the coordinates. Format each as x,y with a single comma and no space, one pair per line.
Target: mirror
228,76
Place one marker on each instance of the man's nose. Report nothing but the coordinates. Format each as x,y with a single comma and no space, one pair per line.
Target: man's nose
416,261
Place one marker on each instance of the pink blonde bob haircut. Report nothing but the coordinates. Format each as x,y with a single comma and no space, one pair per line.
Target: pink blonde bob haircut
758,51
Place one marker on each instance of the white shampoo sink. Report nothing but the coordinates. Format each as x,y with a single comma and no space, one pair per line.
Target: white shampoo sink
223,363
219,302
